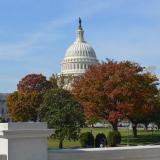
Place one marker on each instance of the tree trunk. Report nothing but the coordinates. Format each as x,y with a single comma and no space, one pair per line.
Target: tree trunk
134,127
146,126
61,144
158,126
115,128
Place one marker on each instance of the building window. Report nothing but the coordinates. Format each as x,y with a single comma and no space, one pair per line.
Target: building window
87,66
72,66
81,66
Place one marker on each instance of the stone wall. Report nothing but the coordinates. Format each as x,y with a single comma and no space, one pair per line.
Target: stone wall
117,153
3,157
24,140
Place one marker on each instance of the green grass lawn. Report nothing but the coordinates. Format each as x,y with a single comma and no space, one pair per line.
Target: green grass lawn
144,138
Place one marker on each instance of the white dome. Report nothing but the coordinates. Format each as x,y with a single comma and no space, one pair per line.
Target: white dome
80,49
79,56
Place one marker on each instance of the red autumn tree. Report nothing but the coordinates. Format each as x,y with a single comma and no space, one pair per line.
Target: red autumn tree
114,90
23,104
33,83
143,99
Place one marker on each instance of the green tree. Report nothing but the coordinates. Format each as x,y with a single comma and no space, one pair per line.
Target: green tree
2,120
156,115
63,113
91,120
143,99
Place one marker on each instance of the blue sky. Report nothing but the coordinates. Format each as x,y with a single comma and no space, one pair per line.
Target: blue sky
34,34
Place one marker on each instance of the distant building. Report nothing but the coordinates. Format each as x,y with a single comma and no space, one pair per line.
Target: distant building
3,108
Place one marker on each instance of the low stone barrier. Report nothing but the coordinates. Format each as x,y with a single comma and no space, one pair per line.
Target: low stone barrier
24,140
117,153
3,157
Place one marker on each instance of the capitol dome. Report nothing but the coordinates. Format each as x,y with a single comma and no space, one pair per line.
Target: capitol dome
79,56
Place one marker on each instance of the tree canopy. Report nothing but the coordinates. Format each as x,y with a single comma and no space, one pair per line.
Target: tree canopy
63,113
23,104
33,83
116,90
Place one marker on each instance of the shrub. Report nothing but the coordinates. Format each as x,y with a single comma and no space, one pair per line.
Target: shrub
86,140
100,140
2,120
113,138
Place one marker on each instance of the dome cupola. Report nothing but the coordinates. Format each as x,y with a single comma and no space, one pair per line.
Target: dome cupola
79,56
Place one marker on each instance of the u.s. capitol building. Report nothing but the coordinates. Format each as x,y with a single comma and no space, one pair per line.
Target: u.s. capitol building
78,57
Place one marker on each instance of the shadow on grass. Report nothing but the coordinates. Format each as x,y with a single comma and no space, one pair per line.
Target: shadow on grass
144,138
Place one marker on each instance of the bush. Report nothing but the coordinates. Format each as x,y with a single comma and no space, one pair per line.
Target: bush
86,140
100,140
113,138
2,120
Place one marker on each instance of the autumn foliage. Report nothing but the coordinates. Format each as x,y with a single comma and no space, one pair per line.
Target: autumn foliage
33,83
116,90
24,103
23,106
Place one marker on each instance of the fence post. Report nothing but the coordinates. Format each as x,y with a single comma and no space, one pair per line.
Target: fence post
24,140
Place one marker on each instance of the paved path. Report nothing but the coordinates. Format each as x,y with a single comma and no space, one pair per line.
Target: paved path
150,153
